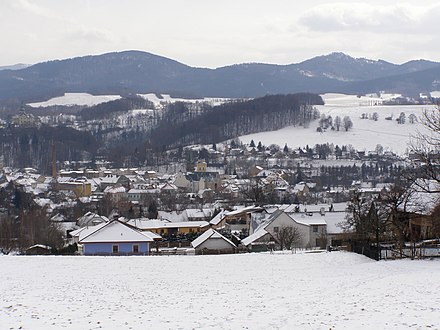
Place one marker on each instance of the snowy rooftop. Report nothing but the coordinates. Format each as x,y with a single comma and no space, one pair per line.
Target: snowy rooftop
115,231
209,234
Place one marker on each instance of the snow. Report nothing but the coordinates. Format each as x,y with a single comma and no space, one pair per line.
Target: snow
435,94
365,135
76,99
166,98
336,290
115,232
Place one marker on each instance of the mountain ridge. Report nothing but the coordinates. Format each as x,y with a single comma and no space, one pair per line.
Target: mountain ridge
136,71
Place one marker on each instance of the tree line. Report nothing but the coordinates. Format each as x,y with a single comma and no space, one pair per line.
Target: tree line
230,120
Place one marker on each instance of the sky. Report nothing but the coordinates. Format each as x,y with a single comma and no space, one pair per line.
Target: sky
204,33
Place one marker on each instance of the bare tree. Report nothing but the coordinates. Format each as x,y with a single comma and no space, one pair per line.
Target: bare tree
397,202
288,237
8,234
338,122
426,147
347,123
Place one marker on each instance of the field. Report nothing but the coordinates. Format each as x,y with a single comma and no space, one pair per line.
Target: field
365,135
336,290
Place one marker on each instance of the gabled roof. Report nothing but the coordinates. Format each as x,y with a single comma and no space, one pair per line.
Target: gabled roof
425,197
218,218
247,209
254,237
115,232
85,231
210,234
91,218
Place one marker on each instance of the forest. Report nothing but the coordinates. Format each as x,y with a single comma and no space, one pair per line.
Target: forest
234,119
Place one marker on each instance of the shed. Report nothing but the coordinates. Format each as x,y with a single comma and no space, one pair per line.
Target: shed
38,249
212,242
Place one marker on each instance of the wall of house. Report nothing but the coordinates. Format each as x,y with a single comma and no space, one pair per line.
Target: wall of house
320,234
286,221
215,244
181,181
107,248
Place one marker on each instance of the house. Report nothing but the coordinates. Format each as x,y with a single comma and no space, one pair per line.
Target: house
419,208
259,241
212,242
116,238
79,187
116,193
275,224
24,119
164,227
91,219
111,180
198,181
237,220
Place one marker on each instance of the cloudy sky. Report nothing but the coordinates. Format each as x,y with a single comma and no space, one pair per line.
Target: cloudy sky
208,33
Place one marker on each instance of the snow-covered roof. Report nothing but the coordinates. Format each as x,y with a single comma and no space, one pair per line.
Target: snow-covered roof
116,231
85,231
218,218
255,236
309,220
91,218
198,213
425,198
39,246
145,224
114,190
209,234
244,210
334,220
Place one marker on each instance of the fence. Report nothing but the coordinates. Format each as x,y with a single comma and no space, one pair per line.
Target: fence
419,250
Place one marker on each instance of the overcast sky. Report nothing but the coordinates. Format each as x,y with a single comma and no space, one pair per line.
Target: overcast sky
207,33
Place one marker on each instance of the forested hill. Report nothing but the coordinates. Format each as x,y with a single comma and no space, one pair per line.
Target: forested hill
233,119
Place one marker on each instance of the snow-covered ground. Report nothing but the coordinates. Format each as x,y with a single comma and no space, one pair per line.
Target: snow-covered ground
335,290
365,135
91,100
166,98
76,99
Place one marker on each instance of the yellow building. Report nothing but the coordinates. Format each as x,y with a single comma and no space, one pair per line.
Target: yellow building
164,227
80,189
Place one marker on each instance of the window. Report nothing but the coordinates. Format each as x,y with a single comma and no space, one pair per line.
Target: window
315,229
275,229
115,249
135,248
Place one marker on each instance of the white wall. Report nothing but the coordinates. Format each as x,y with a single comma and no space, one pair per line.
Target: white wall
215,244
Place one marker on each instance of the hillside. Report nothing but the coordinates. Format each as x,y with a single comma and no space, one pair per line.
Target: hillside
365,134
232,119
140,72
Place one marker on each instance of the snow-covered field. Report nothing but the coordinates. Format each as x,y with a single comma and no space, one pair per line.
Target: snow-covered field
91,100
76,99
336,290
169,99
365,135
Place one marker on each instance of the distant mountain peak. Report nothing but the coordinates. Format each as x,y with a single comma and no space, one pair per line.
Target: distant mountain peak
17,66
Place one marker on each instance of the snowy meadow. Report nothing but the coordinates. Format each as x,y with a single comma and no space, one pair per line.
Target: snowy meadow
365,134
336,290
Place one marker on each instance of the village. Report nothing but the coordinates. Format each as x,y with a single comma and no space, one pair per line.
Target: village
231,198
